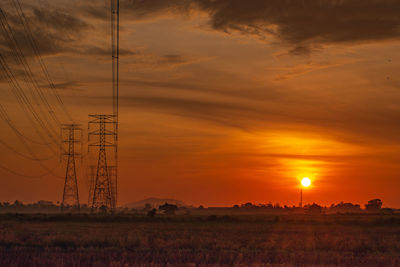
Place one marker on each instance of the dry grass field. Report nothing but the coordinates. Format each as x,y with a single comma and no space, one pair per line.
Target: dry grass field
251,240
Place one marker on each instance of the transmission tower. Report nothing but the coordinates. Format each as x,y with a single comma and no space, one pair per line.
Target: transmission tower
103,192
69,138
115,85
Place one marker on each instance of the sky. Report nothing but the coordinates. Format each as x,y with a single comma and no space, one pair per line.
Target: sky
222,102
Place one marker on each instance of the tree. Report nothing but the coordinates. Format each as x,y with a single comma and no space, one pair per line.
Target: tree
168,209
345,208
313,209
18,203
147,207
374,205
247,205
152,213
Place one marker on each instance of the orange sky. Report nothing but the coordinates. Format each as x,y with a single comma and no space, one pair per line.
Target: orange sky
222,102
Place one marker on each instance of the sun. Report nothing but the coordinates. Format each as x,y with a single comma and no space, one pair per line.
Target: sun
306,182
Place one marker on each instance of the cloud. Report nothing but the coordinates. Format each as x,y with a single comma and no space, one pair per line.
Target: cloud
306,22
53,31
58,21
137,9
66,86
354,122
101,51
298,70
208,110
172,59
143,9
303,24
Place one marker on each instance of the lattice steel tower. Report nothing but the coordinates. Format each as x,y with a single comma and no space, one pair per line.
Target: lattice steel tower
68,134
105,185
115,87
103,192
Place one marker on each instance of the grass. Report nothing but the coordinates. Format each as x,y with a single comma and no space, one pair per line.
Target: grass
259,240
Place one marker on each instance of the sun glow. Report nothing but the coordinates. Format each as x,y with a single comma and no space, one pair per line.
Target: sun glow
306,182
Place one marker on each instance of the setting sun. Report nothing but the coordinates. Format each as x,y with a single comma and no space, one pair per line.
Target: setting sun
306,182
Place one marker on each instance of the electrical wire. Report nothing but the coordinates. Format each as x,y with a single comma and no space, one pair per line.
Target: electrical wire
36,92
27,176
21,154
29,149
24,102
39,58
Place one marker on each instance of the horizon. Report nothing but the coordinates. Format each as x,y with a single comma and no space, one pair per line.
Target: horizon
195,206
221,102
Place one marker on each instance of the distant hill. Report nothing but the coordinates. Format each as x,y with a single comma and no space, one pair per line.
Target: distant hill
154,202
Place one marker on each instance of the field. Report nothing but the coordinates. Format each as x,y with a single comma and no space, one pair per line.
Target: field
241,240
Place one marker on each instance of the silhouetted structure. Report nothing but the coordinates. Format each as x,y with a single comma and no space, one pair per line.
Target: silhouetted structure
345,208
70,194
115,89
168,209
105,189
301,198
374,205
313,209
103,193
152,213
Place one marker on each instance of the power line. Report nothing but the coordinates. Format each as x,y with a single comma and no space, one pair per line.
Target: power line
24,101
30,80
28,71
30,150
28,176
5,117
39,58
21,154
36,118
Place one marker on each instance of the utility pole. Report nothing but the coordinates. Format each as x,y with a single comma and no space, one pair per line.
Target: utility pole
301,198
70,195
103,193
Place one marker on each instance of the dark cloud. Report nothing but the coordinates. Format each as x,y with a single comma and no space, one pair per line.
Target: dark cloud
300,23
137,9
56,20
145,8
302,20
304,25
52,30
